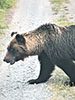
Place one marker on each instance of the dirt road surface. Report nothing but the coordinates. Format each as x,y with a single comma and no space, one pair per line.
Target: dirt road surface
28,15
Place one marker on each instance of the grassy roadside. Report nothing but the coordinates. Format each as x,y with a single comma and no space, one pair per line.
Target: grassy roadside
5,5
59,7
58,4
61,92
5,8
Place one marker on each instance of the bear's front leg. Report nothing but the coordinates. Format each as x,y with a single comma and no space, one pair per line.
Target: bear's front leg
46,68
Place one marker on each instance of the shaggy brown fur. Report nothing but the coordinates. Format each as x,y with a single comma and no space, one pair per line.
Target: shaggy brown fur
54,45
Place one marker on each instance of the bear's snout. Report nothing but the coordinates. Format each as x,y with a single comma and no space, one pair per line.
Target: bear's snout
11,61
6,60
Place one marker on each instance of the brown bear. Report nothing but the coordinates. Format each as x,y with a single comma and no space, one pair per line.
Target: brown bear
54,45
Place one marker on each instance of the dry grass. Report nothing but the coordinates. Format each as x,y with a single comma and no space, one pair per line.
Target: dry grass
63,21
60,9
58,5
61,92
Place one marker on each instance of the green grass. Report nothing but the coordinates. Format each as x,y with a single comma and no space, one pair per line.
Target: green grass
58,4
5,5
2,18
63,21
59,1
58,7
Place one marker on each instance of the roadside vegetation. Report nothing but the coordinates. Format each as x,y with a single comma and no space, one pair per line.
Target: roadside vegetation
58,4
63,21
61,92
59,7
5,8
5,5
57,85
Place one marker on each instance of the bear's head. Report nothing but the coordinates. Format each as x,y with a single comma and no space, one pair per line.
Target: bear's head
16,50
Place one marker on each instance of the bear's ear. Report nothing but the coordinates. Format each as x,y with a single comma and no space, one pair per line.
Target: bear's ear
20,39
13,33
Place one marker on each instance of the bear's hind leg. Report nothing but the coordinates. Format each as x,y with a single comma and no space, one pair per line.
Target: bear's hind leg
46,68
69,68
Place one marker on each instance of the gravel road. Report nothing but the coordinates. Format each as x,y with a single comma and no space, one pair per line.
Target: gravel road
28,15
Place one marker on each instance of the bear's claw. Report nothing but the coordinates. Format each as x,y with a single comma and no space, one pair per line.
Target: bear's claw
32,81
